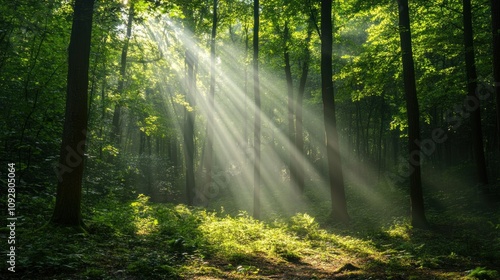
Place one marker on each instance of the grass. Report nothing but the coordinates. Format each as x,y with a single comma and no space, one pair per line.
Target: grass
139,239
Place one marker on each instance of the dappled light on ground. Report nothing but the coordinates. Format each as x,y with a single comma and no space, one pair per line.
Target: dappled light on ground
144,240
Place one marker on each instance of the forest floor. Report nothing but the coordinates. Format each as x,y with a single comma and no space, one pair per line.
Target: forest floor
143,240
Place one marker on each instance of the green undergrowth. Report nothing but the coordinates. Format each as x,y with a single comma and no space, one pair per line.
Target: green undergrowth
143,240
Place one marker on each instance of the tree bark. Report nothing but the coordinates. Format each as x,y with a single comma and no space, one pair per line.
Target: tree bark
495,20
211,99
299,134
381,135
338,199
246,98
289,84
69,171
257,118
116,129
189,118
292,161
358,130
418,218
473,102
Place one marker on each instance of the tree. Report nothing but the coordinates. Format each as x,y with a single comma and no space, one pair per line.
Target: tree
339,204
495,20
292,163
299,134
189,117
192,18
257,117
418,218
67,210
286,30
116,131
211,97
472,100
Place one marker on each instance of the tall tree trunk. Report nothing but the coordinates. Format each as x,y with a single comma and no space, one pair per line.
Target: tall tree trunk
395,146
116,129
103,117
358,130
299,134
142,142
339,204
495,20
246,98
418,218
292,161
381,135
174,154
472,100
211,99
257,118
368,126
189,128
289,84
69,171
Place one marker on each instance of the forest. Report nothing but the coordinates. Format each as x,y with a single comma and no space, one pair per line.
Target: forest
247,139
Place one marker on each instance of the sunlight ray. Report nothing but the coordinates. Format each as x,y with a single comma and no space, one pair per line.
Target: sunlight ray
233,114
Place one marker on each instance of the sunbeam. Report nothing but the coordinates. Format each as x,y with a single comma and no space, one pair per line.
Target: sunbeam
233,116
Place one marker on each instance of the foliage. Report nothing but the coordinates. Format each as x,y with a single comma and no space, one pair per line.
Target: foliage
304,226
242,237
482,273
138,239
